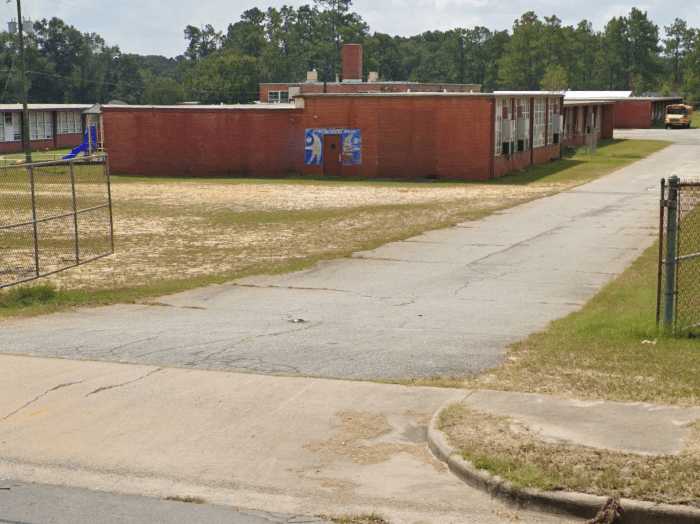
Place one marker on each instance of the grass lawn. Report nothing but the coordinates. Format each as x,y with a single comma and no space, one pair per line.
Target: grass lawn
37,156
608,350
174,234
512,451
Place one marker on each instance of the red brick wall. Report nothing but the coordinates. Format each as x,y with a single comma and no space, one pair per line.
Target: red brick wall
505,164
16,147
632,114
541,155
412,137
352,62
70,140
203,142
607,126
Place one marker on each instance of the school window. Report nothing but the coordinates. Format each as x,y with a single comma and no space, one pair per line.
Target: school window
552,113
40,125
10,127
278,97
539,125
523,124
68,123
499,127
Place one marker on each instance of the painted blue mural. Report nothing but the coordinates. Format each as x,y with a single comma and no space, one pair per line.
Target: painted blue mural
350,146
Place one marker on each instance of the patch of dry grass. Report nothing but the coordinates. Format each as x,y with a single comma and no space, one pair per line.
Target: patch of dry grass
511,450
372,518
180,231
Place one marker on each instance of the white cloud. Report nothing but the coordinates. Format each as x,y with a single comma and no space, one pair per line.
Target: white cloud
156,26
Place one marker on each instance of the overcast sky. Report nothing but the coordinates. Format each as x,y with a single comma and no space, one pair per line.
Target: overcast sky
156,26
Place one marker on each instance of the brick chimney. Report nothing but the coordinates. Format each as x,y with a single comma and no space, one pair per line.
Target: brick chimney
352,63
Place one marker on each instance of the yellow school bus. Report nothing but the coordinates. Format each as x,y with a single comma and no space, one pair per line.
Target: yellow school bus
678,115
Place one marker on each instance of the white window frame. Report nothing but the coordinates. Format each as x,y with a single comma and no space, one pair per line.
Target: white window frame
525,117
69,123
552,102
40,125
498,128
278,97
538,134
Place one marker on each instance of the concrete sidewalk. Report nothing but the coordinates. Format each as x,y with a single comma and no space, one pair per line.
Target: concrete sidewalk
447,302
291,445
628,427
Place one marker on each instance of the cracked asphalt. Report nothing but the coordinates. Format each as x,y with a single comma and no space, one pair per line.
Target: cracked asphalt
448,302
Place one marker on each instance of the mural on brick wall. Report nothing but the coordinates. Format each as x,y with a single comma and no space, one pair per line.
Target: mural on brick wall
350,146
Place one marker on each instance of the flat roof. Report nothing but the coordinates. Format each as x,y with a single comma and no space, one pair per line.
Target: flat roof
378,82
528,93
429,94
588,102
414,94
44,107
597,95
654,98
190,107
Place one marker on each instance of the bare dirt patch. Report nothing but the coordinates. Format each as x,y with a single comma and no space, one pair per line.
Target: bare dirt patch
358,439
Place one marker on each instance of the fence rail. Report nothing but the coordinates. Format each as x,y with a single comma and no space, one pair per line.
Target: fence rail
678,302
53,216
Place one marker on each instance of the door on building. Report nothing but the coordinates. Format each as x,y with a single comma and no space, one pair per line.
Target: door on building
332,155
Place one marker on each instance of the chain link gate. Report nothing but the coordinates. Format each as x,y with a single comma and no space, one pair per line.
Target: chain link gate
678,302
53,216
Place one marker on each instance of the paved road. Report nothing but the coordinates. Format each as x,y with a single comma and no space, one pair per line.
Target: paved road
446,302
22,503
678,136
300,446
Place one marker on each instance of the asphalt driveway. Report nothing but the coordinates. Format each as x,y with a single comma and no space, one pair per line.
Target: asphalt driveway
447,302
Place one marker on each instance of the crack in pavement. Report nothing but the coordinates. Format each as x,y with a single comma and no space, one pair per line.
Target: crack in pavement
40,396
106,388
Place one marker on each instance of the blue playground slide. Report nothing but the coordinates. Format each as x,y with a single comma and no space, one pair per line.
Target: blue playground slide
84,147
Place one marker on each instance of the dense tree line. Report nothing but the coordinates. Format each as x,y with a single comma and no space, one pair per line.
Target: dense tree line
279,45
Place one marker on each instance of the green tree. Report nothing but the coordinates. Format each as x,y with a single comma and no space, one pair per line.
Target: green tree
555,78
159,90
523,62
225,76
676,46
201,41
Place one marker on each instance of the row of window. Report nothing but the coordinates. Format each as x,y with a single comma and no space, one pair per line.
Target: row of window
513,124
40,125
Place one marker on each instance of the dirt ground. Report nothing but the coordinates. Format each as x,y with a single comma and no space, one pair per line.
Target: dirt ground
184,229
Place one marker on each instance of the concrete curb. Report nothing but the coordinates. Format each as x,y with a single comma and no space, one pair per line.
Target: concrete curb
571,503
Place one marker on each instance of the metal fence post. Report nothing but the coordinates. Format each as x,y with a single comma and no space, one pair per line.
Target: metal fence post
660,272
671,252
75,214
34,223
108,175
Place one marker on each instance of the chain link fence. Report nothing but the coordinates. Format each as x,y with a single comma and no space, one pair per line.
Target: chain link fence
53,216
678,304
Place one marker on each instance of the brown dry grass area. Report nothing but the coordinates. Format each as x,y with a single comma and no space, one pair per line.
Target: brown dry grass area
356,439
178,230
510,449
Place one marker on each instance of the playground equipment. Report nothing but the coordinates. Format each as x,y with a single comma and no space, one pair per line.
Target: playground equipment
88,145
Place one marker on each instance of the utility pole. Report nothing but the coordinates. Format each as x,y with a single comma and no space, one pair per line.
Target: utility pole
26,144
